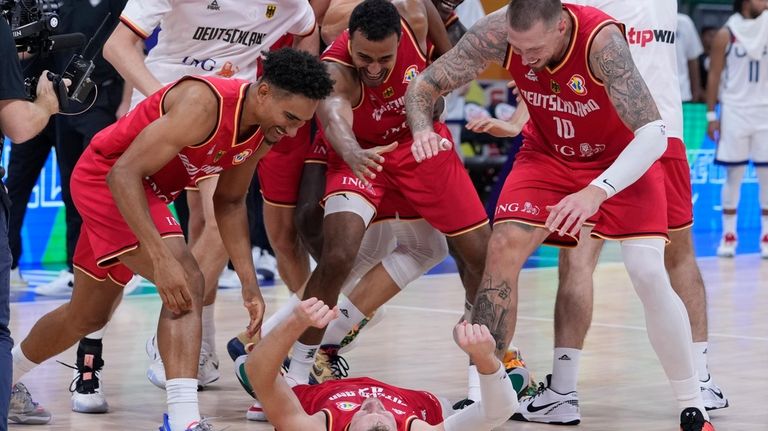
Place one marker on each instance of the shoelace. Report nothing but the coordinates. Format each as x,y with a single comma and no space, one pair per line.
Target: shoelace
81,385
339,366
205,425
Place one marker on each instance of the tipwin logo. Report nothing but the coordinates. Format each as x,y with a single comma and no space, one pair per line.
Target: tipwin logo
644,37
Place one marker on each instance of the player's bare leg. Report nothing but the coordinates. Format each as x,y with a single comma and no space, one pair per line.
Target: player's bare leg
470,248
309,214
292,257
496,302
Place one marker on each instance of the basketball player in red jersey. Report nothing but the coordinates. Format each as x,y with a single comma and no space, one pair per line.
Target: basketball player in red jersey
123,183
364,404
574,70
371,64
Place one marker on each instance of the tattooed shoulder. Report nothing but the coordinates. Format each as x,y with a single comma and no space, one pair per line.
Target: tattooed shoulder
487,39
611,62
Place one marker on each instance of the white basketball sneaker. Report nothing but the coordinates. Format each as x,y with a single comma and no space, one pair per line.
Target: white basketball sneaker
17,281
207,367
59,286
712,395
727,246
550,407
764,246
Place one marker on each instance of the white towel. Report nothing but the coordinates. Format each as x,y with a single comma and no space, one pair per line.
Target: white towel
752,33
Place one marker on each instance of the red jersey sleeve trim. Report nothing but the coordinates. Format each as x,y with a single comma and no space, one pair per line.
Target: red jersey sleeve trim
591,39
571,46
508,57
328,419
134,27
238,113
412,36
452,19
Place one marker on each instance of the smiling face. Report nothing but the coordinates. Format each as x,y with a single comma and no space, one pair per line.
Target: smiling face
540,45
372,415
373,59
285,112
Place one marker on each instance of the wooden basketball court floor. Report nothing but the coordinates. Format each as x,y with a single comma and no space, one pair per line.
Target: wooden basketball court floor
622,386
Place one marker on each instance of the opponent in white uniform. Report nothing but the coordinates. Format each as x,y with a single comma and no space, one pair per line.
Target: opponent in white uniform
739,74
200,37
650,31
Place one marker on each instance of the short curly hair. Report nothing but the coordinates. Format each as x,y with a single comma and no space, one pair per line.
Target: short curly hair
376,20
297,72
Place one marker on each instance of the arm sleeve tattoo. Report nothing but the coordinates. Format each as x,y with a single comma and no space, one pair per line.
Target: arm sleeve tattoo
611,62
485,42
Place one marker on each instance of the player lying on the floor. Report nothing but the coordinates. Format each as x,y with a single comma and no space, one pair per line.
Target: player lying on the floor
364,404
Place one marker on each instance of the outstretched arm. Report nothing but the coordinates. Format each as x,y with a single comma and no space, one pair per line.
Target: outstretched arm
280,404
499,399
484,43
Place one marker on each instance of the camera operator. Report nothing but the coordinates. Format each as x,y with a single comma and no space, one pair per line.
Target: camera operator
20,120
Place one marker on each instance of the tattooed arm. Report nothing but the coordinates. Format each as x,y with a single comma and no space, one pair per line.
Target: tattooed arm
611,62
484,43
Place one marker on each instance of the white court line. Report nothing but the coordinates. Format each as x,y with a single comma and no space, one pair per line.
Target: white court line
545,319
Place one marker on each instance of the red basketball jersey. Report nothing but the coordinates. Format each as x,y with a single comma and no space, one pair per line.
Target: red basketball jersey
572,116
341,399
379,115
222,150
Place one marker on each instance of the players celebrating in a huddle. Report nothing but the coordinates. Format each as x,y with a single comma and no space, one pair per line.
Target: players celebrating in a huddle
389,160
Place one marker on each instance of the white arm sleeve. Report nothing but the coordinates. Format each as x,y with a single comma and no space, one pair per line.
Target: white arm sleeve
649,144
497,403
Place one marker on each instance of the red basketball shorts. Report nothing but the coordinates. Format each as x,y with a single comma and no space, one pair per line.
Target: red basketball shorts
438,189
538,180
105,235
280,169
677,182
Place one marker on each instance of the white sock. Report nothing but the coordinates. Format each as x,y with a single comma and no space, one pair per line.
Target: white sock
565,369
97,335
688,394
729,223
182,403
209,329
349,316
280,315
473,378
21,364
302,359
699,351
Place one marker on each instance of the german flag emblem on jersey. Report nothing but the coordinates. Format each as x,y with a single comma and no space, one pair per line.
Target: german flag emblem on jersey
271,9
389,92
554,86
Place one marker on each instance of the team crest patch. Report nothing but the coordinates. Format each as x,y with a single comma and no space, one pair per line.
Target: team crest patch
241,157
218,156
347,406
554,86
271,9
410,73
389,92
578,85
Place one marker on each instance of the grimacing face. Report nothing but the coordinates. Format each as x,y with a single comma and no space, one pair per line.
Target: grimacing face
372,412
539,45
287,112
373,60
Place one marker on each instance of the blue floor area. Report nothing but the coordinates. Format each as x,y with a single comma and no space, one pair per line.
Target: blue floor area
706,243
